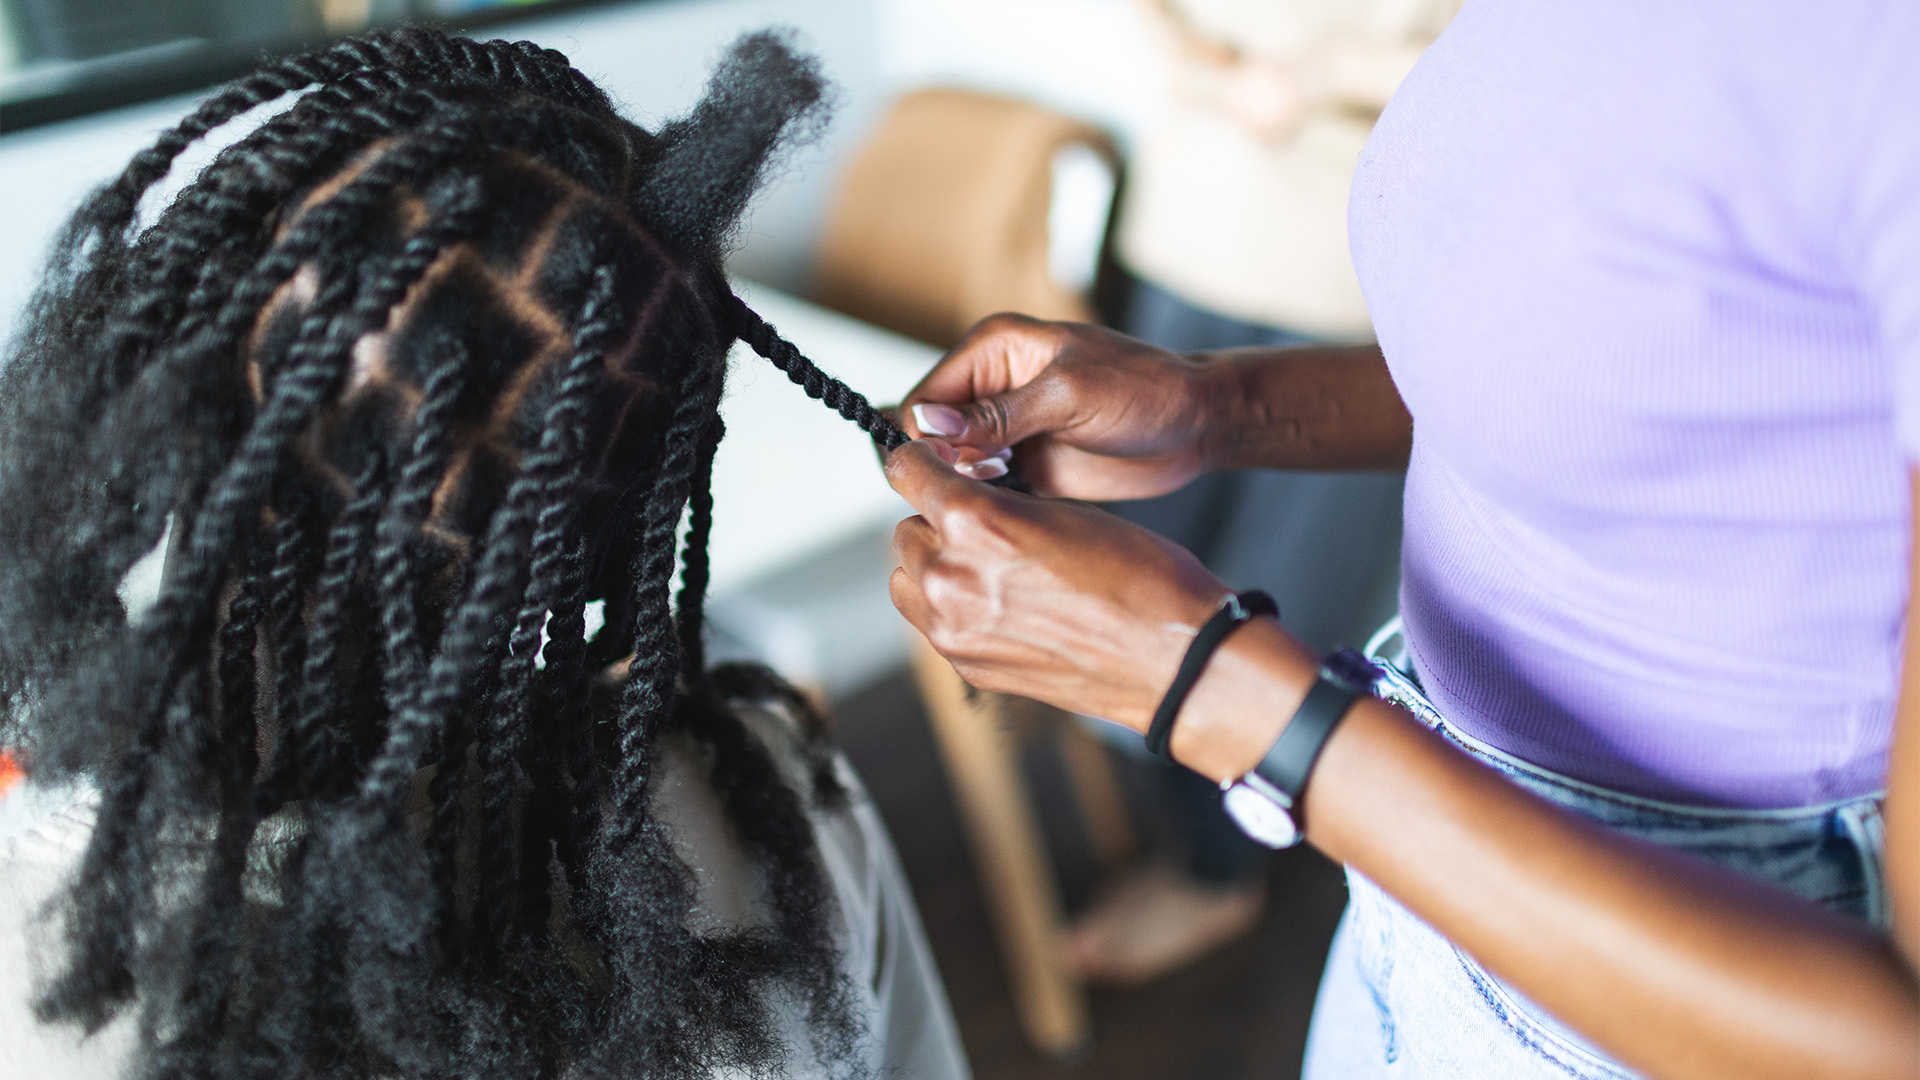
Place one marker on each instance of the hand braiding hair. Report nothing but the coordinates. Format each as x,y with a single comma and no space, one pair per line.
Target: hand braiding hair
829,391
413,372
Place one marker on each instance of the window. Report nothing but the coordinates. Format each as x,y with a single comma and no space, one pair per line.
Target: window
66,58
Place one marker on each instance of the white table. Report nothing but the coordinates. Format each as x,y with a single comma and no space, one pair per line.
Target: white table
802,515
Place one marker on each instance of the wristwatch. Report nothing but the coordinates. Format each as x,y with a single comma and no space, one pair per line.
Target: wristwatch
1262,802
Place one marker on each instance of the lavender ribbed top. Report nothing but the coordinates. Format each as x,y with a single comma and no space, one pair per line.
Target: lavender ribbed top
1648,277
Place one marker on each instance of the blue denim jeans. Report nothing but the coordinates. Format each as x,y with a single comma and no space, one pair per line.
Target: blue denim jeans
1398,1000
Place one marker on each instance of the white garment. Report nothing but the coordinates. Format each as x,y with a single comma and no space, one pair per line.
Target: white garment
1251,228
910,1032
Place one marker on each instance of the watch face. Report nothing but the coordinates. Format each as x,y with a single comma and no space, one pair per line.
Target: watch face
1260,817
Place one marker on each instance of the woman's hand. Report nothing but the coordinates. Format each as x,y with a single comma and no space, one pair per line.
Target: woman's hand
1050,600
1096,414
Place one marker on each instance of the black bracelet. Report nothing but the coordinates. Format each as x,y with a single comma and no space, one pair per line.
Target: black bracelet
1235,609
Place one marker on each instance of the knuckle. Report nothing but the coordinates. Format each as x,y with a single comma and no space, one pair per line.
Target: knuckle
979,676
943,638
906,534
971,507
908,598
945,588
1004,322
992,413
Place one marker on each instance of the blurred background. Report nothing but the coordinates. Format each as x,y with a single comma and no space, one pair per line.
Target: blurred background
1040,155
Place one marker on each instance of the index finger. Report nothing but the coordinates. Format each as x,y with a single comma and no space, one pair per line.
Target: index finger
997,354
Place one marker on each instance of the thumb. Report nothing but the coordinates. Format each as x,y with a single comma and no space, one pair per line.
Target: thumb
992,424
921,471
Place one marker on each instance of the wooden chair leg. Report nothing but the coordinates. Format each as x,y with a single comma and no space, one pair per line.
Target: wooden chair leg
1096,789
1005,834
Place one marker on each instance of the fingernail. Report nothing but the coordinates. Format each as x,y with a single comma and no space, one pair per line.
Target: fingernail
946,451
939,420
984,469
1004,455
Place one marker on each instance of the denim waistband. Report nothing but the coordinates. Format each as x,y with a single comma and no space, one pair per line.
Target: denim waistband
1830,854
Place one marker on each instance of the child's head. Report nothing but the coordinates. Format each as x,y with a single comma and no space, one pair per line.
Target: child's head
410,375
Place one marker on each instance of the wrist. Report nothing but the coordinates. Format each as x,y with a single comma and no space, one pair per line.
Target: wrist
1221,394
1302,407
1238,708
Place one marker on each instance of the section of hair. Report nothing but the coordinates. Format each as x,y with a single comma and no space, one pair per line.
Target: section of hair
413,372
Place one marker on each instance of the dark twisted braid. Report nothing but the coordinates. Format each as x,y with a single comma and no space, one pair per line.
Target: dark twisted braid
405,513
549,836
292,570
565,693
836,395
822,387
401,646
550,472
656,667
695,569
562,694
637,868
215,935
308,750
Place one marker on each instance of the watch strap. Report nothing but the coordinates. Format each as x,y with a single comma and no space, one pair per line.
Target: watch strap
1292,756
1344,677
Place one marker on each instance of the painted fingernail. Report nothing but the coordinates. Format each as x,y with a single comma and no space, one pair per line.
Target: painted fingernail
984,469
940,420
1004,455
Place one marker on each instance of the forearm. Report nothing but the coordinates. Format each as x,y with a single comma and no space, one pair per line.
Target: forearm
1672,964
1314,407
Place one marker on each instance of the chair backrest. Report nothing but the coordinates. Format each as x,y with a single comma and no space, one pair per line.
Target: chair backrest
944,216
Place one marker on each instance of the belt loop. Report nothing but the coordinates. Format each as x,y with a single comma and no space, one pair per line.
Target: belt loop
1867,829
1396,657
